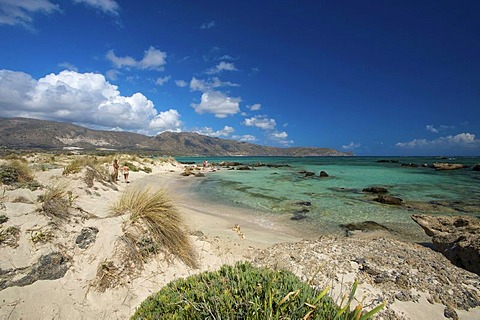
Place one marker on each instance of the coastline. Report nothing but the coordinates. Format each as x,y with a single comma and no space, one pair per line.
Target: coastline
221,235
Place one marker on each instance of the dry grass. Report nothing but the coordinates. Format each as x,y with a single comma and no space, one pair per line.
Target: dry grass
57,201
155,224
9,236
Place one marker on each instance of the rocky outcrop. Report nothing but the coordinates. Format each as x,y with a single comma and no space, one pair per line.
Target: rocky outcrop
375,189
448,166
457,238
476,167
388,200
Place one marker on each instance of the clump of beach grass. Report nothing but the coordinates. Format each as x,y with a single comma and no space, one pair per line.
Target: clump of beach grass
247,292
17,173
154,225
56,201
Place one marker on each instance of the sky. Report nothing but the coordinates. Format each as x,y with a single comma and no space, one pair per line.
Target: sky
379,78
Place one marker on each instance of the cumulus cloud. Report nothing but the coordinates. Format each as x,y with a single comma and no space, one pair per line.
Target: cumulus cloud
14,12
217,103
460,140
162,81
207,25
351,146
262,122
255,107
106,6
225,132
208,85
222,66
153,59
83,98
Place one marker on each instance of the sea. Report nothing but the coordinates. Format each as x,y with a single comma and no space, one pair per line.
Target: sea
279,188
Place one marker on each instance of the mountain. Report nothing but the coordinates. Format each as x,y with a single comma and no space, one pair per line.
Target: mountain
23,133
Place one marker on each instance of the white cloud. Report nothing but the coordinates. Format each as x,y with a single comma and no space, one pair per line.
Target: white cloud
351,146
459,140
222,66
112,74
166,121
205,85
245,138
431,128
281,137
262,122
15,12
153,59
181,83
225,132
67,65
217,103
255,107
83,98
106,6
442,127
208,25
162,81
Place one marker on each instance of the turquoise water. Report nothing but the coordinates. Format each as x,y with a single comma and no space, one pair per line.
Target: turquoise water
338,199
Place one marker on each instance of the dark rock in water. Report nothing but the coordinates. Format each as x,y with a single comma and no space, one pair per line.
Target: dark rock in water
337,189
411,165
457,238
388,200
309,174
387,161
277,165
375,189
244,168
298,215
323,174
86,237
364,226
476,167
200,175
187,162
304,203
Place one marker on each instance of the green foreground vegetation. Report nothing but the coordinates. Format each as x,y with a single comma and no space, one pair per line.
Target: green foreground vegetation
246,292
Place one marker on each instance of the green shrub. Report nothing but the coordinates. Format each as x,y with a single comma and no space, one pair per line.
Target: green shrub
244,292
15,172
131,166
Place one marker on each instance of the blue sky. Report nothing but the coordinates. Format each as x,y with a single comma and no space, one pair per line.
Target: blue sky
371,77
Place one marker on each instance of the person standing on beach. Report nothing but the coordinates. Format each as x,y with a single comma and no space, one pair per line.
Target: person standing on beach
125,170
115,170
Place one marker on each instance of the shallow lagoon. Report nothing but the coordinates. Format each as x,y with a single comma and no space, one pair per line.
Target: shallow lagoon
338,199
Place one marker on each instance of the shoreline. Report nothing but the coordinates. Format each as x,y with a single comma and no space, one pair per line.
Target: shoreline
221,235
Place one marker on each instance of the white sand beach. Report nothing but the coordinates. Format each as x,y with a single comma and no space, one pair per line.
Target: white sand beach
221,235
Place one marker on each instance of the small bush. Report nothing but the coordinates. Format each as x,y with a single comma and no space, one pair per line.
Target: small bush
131,166
147,169
244,292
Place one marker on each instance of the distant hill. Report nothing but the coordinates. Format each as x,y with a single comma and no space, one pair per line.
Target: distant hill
23,133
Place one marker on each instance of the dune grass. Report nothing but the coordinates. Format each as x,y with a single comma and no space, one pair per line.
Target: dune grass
56,201
164,226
